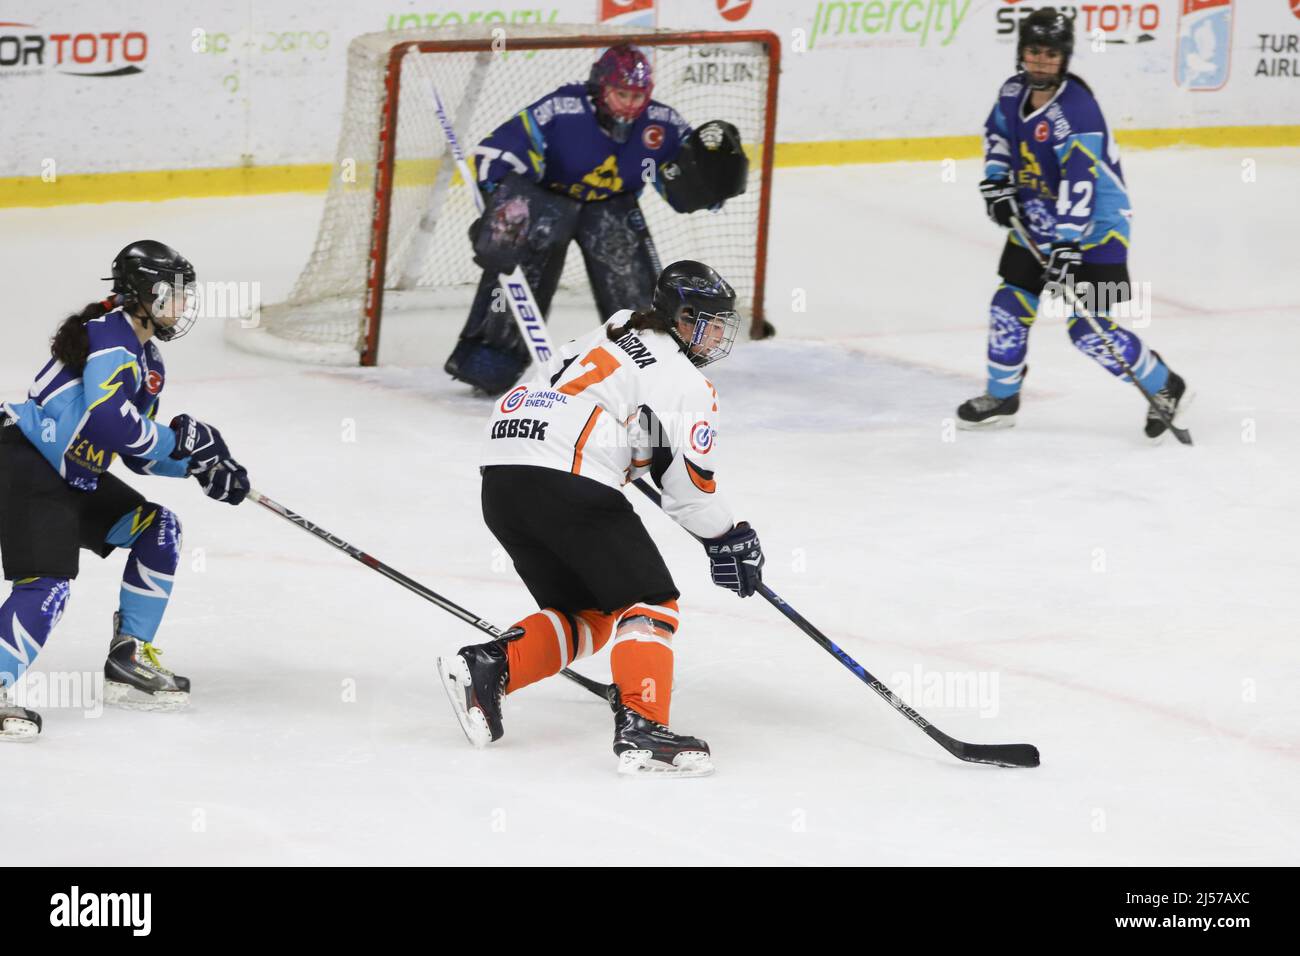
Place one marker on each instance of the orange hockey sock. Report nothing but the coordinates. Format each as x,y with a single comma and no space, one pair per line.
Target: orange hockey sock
642,658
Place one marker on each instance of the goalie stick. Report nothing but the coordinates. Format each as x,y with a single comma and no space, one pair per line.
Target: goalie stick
352,551
1182,434
1000,755
514,286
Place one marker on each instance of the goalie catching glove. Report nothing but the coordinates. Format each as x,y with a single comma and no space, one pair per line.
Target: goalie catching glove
709,168
736,560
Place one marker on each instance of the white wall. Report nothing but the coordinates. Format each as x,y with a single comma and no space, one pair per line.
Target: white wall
263,83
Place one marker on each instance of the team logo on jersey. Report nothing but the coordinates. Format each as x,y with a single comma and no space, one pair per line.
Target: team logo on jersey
653,136
1041,131
702,437
514,398
153,382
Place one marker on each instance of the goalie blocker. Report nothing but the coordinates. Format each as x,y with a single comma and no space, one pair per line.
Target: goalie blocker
529,226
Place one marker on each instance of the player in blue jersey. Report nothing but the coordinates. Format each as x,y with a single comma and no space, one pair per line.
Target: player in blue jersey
95,400
1050,161
571,166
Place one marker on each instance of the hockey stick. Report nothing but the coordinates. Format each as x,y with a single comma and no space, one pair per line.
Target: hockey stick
518,293
422,238
410,584
1000,755
1182,434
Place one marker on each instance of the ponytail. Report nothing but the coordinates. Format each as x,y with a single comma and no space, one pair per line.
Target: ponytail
638,321
71,342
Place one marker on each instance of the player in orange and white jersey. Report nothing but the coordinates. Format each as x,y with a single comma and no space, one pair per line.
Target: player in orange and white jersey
625,401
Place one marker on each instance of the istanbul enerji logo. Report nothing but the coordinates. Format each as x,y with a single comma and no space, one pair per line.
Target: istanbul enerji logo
514,399
25,48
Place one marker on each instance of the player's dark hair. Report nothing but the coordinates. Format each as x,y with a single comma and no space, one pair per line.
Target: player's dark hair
638,321
71,342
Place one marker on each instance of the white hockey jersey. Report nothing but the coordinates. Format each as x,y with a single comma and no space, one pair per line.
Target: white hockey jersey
615,411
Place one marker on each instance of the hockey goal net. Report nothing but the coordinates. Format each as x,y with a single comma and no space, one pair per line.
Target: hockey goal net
396,214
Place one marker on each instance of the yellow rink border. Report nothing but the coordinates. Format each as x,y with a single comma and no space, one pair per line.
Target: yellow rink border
157,185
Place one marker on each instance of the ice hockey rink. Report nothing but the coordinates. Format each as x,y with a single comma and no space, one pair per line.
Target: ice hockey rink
1129,609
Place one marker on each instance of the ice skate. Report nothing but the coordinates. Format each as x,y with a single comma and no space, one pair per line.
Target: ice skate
646,747
134,679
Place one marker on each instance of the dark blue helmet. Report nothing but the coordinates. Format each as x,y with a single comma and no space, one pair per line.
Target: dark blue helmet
692,292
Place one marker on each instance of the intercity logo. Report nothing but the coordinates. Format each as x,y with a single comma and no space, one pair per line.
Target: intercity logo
888,21
26,49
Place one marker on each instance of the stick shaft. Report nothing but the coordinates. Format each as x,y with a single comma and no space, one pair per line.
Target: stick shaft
1019,228
1000,754
514,286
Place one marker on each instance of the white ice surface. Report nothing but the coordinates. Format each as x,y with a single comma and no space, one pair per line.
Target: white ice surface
1161,690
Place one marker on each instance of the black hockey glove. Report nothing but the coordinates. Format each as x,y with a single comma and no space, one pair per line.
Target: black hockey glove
1062,263
199,442
1000,201
736,560
225,481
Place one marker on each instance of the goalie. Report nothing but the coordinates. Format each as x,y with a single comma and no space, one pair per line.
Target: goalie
572,166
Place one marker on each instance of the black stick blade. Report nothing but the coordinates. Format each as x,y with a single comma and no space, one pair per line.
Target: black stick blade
999,755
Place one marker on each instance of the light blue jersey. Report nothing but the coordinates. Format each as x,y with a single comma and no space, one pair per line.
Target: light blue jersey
1066,166
80,420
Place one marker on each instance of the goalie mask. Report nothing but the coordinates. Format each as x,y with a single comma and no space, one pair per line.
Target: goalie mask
698,308
154,276
620,85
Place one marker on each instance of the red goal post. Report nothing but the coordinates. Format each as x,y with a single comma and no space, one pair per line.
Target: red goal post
414,229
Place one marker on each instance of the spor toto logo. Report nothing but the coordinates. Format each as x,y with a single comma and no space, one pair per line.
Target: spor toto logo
734,9
514,399
104,53
701,437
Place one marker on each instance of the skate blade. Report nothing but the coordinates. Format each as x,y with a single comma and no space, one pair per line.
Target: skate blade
127,697
988,425
18,729
1178,417
688,763
456,681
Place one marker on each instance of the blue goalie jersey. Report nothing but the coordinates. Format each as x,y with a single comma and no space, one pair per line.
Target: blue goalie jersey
1066,166
558,143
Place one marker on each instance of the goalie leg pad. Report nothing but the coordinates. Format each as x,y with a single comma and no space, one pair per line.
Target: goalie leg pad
490,354
622,263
